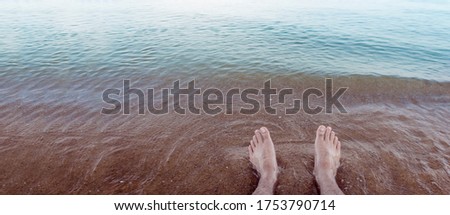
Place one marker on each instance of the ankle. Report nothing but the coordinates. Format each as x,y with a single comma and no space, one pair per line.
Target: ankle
269,177
328,186
267,180
325,177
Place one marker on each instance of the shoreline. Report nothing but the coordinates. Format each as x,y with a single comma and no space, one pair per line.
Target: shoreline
392,143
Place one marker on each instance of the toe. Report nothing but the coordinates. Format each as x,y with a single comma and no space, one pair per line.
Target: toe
258,136
250,150
338,147
254,141
335,141
328,133
332,136
321,132
264,133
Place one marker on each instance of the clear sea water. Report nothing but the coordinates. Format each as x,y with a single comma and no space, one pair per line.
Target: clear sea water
409,39
57,57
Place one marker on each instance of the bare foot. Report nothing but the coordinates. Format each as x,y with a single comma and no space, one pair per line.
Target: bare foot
262,155
326,163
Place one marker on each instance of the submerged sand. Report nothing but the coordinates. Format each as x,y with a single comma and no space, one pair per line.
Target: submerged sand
395,139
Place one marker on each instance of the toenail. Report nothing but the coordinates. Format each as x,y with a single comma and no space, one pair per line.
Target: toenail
263,129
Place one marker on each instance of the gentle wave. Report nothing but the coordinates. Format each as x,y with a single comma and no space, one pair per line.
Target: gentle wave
394,137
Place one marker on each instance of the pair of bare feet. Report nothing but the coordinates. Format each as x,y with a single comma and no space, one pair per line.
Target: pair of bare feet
326,162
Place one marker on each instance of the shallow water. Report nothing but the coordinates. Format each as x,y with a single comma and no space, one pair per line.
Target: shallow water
58,59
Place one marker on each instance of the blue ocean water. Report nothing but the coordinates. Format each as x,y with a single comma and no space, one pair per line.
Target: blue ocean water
407,39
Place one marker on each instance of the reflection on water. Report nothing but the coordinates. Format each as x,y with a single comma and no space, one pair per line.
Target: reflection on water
405,40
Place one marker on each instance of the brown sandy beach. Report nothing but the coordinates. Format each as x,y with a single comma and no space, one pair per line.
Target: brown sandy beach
54,140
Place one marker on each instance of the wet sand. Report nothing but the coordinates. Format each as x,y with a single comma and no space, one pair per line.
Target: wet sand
53,139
